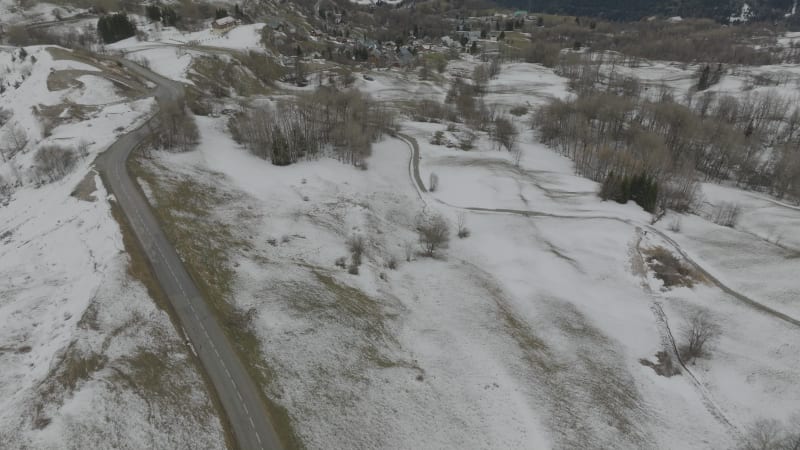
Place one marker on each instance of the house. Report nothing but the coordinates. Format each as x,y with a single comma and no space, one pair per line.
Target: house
223,25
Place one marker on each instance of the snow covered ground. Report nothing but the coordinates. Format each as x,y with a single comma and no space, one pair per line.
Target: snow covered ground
89,360
527,334
169,52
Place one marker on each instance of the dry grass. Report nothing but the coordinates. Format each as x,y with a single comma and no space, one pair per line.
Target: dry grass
205,244
139,269
86,188
670,270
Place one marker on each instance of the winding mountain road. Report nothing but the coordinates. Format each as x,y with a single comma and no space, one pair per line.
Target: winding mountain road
239,395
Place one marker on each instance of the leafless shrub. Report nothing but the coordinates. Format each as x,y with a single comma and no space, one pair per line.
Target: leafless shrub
391,262
675,224
494,68
463,231
504,133
53,162
6,189
433,231
82,148
409,251
432,111
16,139
771,434
726,214
5,115
698,333
341,262
480,78
356,245
177,129
352,269
433,182
467,141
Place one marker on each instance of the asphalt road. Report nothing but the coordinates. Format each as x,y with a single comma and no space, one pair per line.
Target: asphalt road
237,392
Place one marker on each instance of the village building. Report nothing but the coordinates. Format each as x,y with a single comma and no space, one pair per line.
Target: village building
223,25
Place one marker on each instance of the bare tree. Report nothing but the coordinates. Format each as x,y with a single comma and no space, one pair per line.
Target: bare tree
433,231
177,130
771,434
494,68
355,244
16,139
463,231
726,214
480,78
82,148
765,434
433,183
698,333
504,133
53,162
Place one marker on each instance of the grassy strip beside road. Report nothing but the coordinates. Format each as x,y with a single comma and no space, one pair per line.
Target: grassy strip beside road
183,207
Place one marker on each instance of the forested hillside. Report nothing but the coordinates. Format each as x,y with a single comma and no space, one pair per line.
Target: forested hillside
636,9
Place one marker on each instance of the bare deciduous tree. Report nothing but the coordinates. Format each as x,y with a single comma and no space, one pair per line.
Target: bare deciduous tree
433,231
355,244
82,148
53,162
504,133
433,182
698,333
494,68
177,130
726,214
408,248
463,231
771,434
16,139
480,78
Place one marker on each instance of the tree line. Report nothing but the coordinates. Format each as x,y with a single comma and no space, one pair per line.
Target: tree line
614,134
344,122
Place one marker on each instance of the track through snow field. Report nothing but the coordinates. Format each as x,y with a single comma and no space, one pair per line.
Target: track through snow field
420,187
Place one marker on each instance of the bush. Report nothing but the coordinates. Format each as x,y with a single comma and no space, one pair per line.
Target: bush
433,182
391,263
675,225
463,231
698,332
433,231
53,162
340,262
355,245
726,214
438,138
519,110
353,269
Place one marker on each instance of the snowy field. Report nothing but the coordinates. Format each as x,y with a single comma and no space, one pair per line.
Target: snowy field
89,360
529,333
528,330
